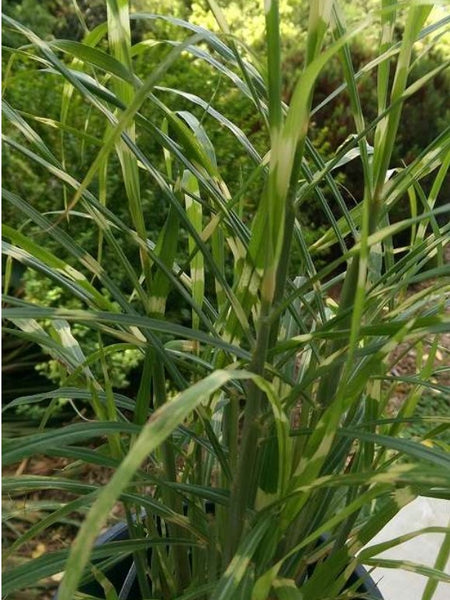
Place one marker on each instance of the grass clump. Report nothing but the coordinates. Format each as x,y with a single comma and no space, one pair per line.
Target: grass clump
268,399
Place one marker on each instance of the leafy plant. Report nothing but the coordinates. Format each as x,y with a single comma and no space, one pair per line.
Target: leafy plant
267,400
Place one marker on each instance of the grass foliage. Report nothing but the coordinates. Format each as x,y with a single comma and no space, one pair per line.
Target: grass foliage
267,398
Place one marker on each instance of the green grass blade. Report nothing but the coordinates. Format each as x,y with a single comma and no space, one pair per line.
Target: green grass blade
194,213
27,446
157,429
54,562
439,565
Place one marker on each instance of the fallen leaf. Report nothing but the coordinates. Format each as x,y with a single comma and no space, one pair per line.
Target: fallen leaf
39,550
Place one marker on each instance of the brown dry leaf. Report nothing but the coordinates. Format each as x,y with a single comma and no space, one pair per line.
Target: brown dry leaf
39,550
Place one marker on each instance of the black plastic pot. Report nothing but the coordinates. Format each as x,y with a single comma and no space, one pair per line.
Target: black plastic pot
123,574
